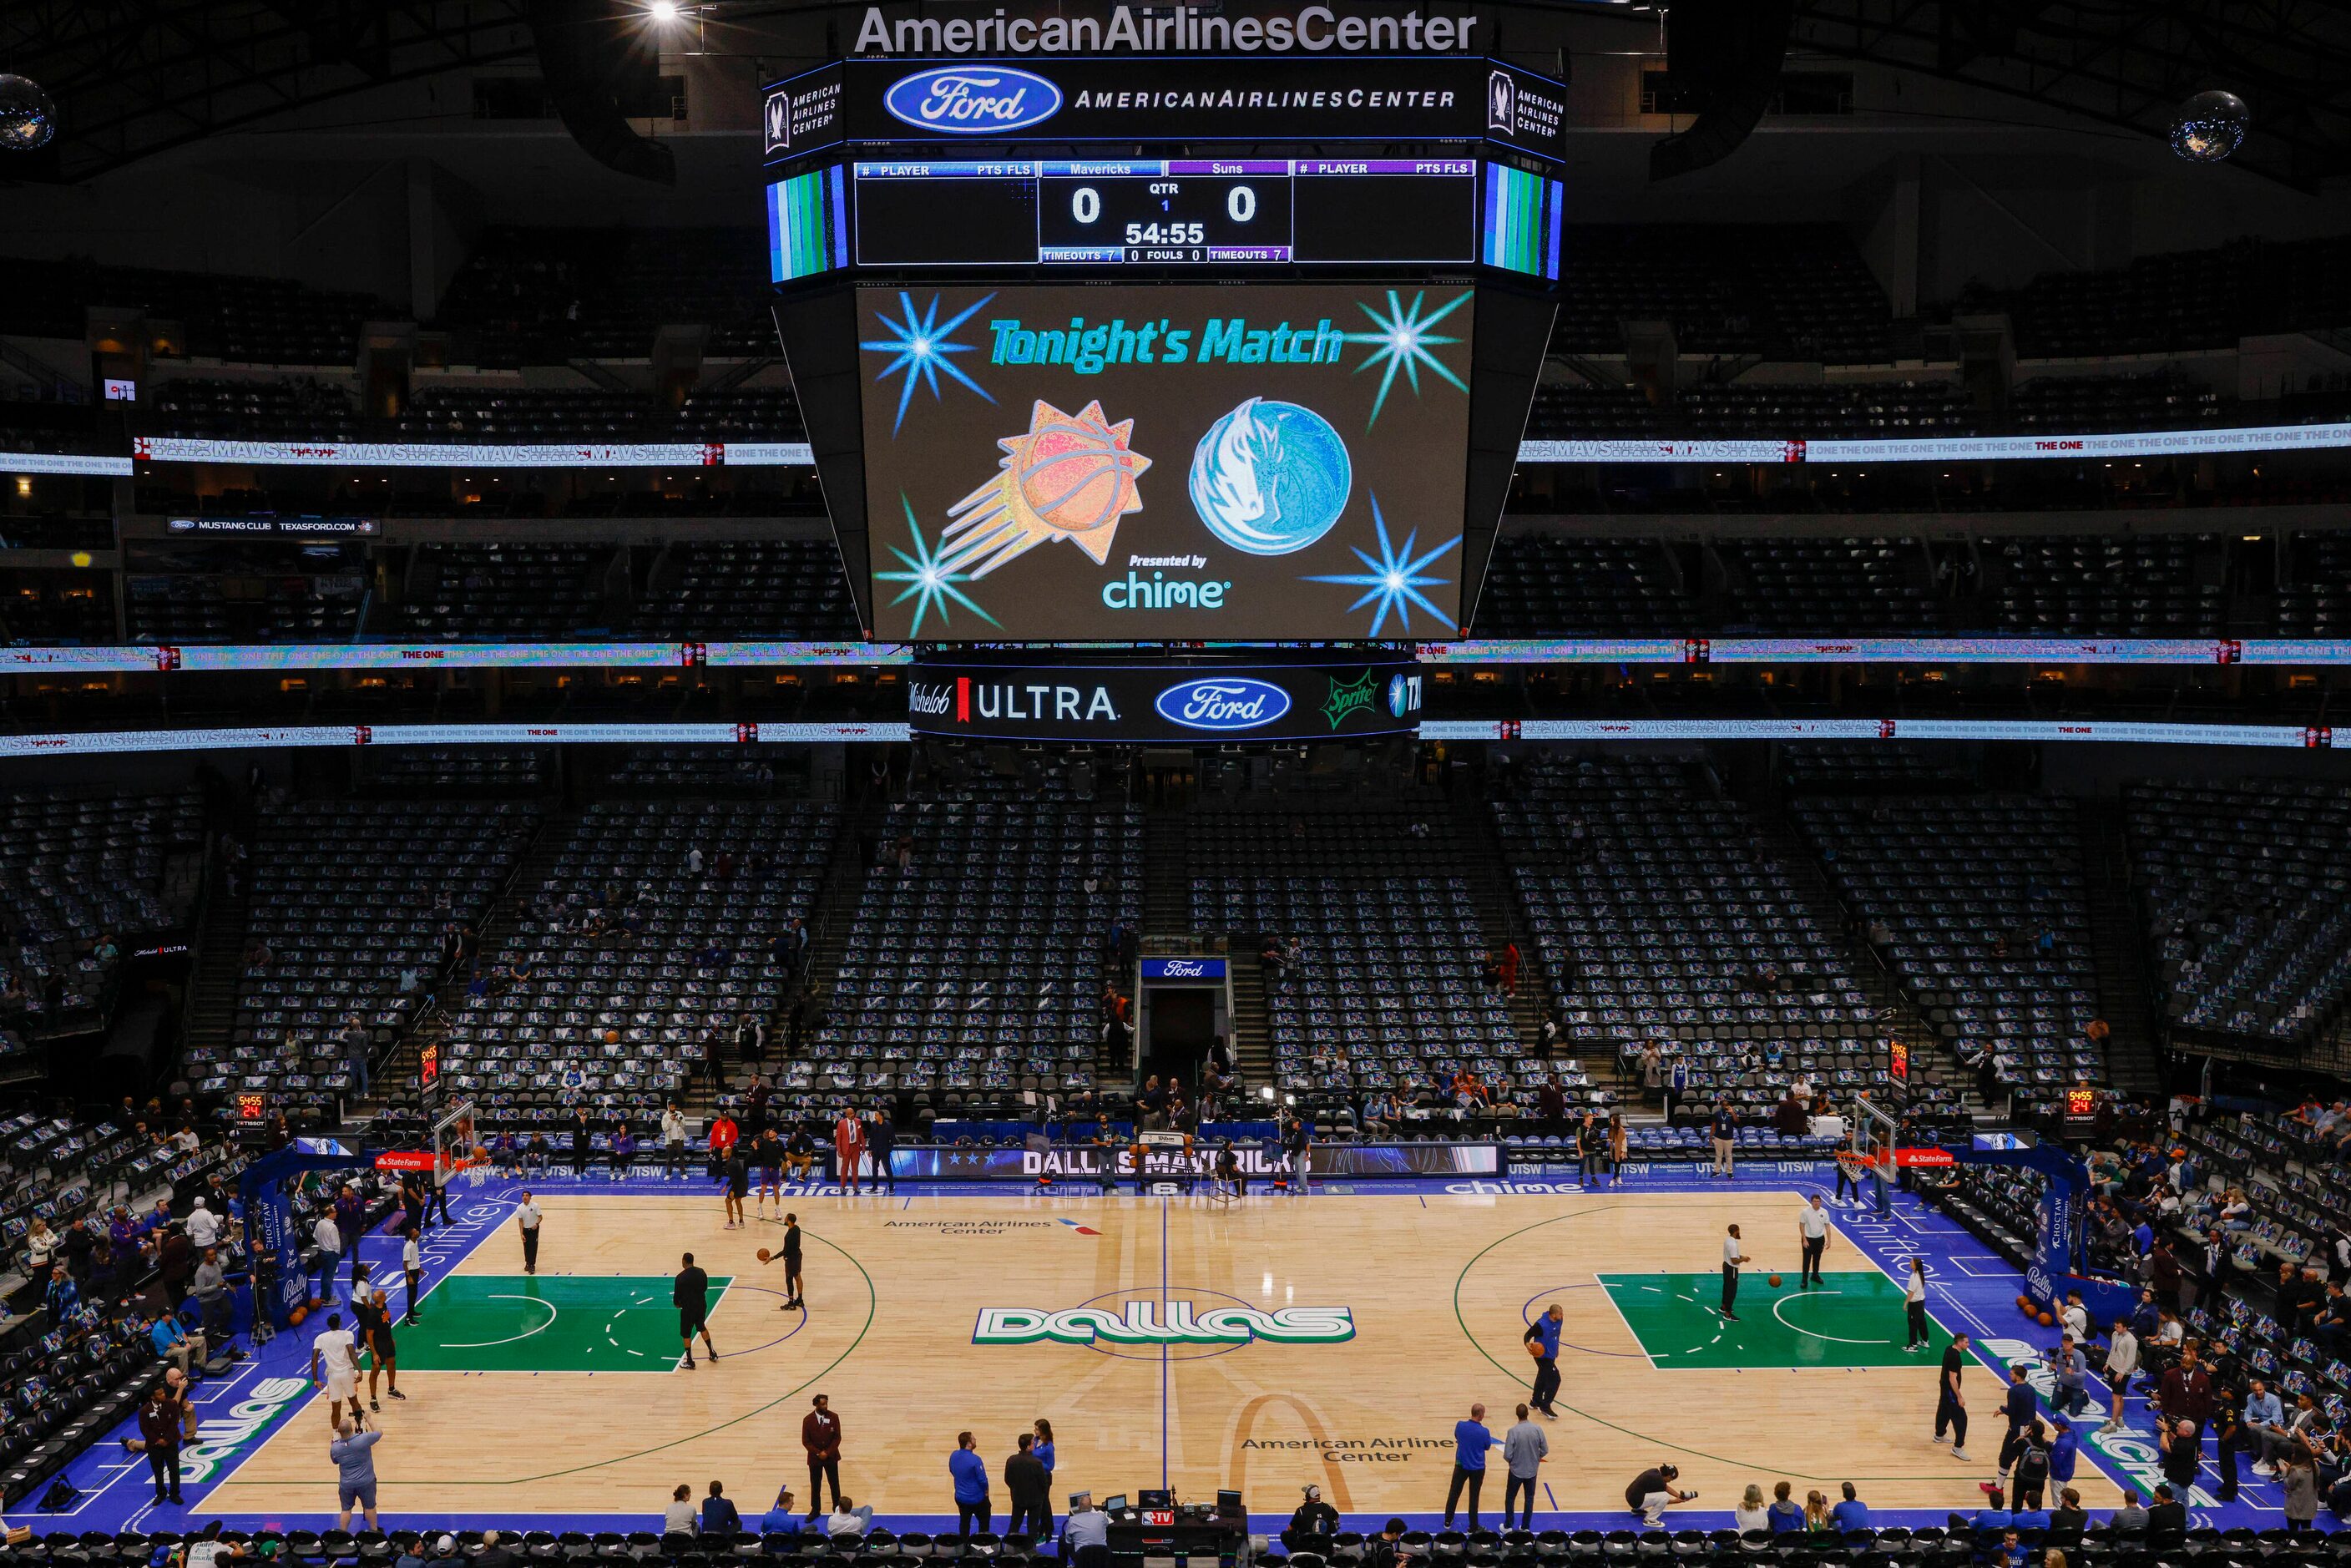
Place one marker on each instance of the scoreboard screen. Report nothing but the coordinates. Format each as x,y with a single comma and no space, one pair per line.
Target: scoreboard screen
1164,462
1160,212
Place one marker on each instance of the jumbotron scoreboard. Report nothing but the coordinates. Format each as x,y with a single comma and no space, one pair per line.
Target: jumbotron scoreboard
1150,348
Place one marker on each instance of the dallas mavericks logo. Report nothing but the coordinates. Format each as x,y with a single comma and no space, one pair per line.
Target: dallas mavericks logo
1172,1322
973,101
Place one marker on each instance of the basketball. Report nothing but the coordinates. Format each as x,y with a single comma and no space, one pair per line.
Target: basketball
293,1318
2047,1321
1534,1349
764,1255
1773,1282
2025,1303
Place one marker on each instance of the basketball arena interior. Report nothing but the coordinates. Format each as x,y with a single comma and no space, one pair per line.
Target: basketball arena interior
1480,783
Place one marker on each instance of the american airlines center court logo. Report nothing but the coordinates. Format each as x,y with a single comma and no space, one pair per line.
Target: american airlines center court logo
1204,1323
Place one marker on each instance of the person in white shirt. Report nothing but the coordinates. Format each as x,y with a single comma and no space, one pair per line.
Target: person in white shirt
328,1243
1751,1513
526,1218
1812,1237
2122,1365
2076,1318
1732,1257
412,1265
334,1362
1914,1303
672,1137
203,1228
848,1520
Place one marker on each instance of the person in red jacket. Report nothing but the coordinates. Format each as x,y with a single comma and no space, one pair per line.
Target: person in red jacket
724,1134
821,1435
849,1152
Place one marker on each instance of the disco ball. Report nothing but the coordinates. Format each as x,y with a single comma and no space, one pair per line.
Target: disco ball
2211,126
27,118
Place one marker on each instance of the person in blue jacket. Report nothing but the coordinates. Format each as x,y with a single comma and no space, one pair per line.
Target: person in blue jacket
1471,1439
970,1473
1852,1515
1786,1515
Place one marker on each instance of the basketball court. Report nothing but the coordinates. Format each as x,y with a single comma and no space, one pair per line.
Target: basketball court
1333,1339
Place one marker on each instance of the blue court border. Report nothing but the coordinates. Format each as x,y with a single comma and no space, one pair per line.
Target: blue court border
240,1411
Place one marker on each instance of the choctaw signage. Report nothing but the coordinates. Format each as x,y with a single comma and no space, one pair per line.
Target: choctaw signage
1172,1322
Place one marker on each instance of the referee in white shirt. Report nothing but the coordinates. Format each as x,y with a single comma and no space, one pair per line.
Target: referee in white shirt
1813,1231
1731,1259
528,1217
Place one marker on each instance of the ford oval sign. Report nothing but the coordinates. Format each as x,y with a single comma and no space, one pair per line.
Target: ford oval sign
1228,703
973,100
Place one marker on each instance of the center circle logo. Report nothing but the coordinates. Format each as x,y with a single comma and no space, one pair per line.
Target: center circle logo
1179,1321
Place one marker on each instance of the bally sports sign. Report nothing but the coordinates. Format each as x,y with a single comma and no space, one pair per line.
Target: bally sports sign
1142,1322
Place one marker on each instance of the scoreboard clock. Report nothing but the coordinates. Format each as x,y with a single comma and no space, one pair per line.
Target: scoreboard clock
1172,210
1166,349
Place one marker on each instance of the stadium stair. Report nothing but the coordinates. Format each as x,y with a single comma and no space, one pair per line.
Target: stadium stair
395,1076
2119,954
834,911
1167,877
1497,901
220,961
1931,1060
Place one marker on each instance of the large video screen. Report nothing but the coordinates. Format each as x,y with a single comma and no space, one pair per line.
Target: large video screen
1165,463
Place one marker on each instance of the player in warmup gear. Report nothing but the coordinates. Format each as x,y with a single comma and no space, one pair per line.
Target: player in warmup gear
372,1315
768,1159
334,1363
792,1257
1733,1255
736,1176
848,1148
1848,1174
691,1291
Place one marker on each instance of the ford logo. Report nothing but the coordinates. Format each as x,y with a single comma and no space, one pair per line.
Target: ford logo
1231,703
1183,969
973,100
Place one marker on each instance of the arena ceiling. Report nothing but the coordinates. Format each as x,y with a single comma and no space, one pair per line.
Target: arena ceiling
134,78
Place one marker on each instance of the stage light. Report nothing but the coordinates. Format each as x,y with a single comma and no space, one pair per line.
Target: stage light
27,118
2211,126
662,12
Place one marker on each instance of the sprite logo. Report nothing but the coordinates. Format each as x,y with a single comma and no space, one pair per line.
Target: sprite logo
1354,696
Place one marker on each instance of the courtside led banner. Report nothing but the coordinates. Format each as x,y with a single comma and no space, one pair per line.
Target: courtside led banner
2121,732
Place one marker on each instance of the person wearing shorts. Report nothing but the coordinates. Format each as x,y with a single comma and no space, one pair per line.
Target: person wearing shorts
353,1452
738,1174
691,1291
768,1160
374,1316
334,1362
